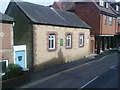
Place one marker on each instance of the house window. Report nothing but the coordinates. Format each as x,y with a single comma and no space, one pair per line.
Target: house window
51,41
101,3
110,20
4,64
117,8
105,19
107,4
68,40
81,40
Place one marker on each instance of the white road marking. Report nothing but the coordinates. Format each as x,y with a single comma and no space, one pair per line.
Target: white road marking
106,56
102,58
89,82
113,67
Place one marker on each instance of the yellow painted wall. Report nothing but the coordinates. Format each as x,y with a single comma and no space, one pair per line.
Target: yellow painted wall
44,58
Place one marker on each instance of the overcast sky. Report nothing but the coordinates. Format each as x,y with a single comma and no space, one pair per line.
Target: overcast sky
4,3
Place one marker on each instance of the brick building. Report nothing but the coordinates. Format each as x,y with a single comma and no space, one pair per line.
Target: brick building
51,36
102,19
6,37
116,9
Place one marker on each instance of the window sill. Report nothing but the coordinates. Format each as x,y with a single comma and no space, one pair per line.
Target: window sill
68,47
81,46
2,74
51,50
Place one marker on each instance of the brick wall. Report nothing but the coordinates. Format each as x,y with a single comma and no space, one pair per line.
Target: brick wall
108,29
45,58
88,13
7,42
22,31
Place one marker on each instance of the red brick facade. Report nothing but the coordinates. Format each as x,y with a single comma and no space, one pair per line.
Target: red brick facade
107,29
93,15
6,42
86,12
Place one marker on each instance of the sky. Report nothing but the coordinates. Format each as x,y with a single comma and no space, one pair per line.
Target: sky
4,3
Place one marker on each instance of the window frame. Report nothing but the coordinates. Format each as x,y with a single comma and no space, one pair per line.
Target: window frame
101,2
67,39
117,8
81,45
105,19
107,5
53,37
110,21
7,62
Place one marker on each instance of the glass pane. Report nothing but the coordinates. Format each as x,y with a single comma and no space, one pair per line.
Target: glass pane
68,42
52,43
81,40
49,43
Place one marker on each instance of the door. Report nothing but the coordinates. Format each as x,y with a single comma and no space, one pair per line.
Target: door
92,47
20,58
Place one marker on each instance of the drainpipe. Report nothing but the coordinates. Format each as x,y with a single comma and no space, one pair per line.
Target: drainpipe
101,27
32,48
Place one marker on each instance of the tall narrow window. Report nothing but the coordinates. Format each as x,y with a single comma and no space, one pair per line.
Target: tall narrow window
107,4
117,8
81,40
105,19
101,3
52,41
110,20
68,40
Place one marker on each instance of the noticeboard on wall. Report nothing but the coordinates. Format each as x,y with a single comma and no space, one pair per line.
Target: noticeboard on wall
61,42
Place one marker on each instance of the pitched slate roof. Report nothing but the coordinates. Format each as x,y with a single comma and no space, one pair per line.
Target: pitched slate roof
104,10
113,5
46,15
5,18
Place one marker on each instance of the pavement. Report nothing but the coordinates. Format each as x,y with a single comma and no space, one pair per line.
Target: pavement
34,76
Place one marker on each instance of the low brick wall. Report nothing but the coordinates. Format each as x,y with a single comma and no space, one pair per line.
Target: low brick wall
11,83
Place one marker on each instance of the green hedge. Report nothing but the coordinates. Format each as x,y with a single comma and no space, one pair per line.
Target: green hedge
13,70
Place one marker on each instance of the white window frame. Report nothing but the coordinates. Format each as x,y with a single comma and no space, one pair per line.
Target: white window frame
81,38
117,8
20,48
6,61
68,40
107,4
105,19
51,37
110,20
101,3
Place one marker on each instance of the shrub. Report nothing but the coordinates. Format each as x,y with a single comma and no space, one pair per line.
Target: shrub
12,71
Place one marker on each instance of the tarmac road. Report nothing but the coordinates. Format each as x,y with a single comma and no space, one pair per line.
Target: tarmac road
100,73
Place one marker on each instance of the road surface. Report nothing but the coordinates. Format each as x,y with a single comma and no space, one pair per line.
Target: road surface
99,73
